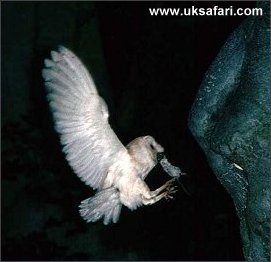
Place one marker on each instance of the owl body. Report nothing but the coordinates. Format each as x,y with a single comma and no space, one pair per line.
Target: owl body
132,173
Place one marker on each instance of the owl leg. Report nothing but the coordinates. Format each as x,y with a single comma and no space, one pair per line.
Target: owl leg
168,185
155,196
152,200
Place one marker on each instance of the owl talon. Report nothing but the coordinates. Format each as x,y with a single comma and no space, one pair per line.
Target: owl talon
168,197
169,183
169,191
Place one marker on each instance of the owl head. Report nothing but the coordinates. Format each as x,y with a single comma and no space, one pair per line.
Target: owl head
153,145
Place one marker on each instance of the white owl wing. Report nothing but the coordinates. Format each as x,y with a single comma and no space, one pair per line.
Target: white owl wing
81,118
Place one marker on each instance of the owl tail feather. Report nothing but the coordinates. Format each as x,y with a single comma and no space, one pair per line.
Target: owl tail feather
105,204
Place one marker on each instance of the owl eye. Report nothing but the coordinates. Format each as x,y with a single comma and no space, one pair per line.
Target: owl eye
152,147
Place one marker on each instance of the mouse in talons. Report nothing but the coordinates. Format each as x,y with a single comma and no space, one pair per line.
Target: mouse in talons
172,171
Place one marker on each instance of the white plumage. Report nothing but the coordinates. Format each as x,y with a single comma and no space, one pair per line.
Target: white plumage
92,148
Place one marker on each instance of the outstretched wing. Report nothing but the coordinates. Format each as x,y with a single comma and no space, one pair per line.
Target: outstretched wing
81,118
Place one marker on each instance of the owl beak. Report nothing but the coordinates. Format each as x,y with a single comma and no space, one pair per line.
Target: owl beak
160,156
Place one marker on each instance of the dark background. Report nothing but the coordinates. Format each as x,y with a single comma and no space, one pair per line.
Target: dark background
148,69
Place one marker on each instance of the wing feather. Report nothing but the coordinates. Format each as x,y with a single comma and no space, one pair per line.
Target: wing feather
81,118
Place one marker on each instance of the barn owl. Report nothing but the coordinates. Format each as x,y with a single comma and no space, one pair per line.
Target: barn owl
92,148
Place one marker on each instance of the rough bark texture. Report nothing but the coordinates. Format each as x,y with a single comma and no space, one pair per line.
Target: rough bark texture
230,120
